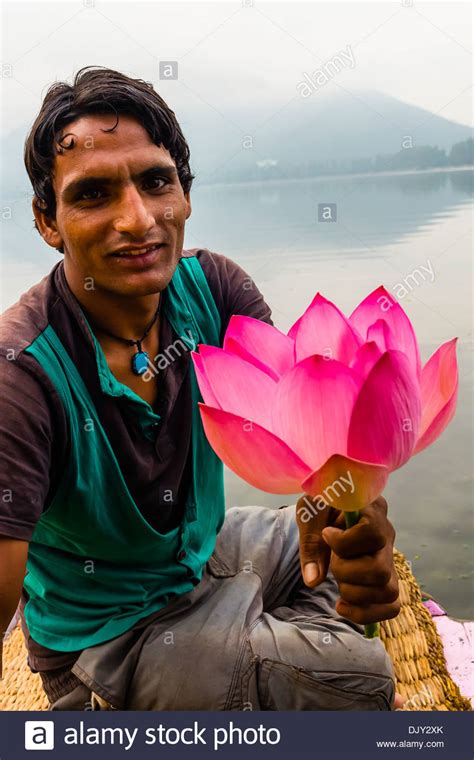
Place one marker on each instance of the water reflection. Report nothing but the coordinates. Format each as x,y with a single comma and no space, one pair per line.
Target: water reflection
371,211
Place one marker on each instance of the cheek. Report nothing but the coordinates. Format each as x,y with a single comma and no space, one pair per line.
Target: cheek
79,225
173,213
82,237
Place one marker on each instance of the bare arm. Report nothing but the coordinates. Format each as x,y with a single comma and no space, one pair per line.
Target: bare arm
26,441
13,555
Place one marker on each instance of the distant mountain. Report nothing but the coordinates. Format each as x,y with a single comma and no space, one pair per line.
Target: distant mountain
330,128
229,144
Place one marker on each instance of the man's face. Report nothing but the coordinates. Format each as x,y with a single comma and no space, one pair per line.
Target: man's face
116,190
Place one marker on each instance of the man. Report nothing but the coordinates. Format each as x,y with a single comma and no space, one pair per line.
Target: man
112,497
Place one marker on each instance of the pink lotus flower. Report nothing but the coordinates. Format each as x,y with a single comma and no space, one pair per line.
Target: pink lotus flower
335,401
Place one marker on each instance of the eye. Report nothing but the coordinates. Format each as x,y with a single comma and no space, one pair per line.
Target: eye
153,180
89,195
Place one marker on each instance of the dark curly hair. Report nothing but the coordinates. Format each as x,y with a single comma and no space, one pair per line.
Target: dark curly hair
96,90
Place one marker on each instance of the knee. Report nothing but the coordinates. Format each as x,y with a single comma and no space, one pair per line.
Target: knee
284,687
369,680
321,667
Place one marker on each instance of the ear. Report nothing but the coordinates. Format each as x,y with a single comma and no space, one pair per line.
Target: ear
47,228
187,197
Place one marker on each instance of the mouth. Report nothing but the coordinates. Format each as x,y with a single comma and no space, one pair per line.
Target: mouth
137,256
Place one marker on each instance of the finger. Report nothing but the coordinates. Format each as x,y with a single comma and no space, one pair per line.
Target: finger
339,521
399,701
363,538
368,570
373,613
369,535
379,505
365,595
314,551
315,556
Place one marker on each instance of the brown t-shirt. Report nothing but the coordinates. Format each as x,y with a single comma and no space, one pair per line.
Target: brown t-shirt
33,425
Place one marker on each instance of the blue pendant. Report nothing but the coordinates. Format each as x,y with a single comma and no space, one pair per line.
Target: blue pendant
140,362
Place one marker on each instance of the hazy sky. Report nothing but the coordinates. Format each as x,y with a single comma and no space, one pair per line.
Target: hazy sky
232,53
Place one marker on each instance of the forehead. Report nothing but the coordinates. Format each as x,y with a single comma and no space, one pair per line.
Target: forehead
128,148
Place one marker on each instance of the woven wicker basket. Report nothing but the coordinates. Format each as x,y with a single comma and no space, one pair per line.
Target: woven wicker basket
411,640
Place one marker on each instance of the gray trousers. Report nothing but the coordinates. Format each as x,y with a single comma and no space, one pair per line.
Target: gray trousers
250,636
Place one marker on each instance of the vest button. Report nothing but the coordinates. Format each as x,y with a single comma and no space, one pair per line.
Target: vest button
181,555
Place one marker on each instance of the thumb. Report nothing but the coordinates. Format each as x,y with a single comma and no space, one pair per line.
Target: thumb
312,517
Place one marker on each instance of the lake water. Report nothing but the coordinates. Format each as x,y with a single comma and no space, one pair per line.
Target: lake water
387,227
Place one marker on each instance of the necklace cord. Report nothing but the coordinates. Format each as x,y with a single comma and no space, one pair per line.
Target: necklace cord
138,342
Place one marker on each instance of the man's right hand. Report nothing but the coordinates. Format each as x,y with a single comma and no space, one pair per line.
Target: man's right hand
13,556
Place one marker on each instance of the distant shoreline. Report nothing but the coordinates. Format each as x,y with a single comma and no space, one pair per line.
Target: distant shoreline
280,180
397,173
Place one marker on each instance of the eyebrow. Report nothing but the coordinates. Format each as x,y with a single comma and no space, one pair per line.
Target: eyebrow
86,183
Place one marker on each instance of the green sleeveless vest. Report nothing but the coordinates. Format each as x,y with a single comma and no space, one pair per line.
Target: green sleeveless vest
95,565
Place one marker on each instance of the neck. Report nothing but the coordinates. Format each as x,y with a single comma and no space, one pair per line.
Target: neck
127,317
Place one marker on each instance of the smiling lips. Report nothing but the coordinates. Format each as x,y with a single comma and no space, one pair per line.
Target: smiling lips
140,257
132,252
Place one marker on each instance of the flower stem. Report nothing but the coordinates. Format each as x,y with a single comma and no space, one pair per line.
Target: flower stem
352,518
371,630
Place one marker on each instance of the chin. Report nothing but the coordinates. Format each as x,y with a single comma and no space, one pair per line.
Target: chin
143,283
137,289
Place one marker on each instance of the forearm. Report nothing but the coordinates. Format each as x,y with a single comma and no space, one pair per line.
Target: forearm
13,554
7,611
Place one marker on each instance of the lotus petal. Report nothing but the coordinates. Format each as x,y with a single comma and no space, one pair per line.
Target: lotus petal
314,403
206,391
346,483
260,344
239,387
439,390
386,417
382,335
380,304
323,329
365,358
253,453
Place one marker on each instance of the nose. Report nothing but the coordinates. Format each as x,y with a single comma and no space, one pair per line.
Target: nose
133,216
